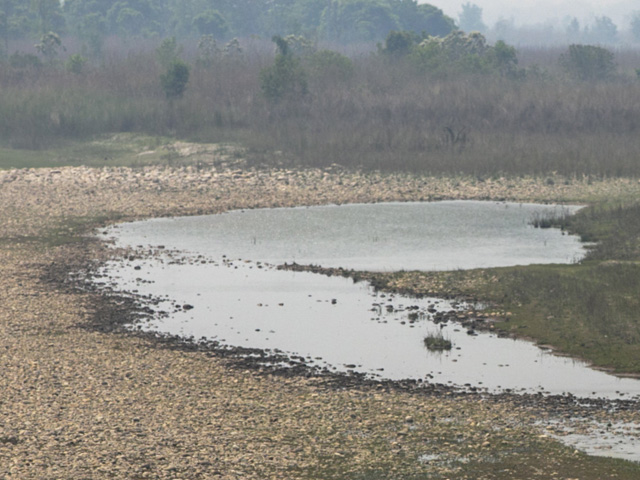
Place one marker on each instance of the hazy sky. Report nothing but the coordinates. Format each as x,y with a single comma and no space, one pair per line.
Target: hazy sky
527,12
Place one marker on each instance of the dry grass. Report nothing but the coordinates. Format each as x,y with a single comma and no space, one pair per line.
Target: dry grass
385,116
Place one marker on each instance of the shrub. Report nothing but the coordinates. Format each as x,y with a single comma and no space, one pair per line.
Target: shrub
75,64
437,342
329,65
174,80
24,60
398,44
285,78
168,52
588,62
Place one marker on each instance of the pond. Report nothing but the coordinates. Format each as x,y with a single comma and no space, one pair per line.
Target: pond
390,236
240,299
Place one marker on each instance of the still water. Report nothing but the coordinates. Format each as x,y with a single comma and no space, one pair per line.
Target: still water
391,236
239,299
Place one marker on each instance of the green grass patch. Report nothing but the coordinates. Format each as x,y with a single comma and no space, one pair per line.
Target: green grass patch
437,342
588,310
129,150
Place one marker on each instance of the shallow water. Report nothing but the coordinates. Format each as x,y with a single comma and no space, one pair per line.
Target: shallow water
391,236
340,325
336,323
345,326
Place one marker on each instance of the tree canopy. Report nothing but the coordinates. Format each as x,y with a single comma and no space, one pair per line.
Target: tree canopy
331,20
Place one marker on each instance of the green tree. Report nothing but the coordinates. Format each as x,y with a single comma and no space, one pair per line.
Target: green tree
573,29
75,64
604,30
49,46
470,18
358,20
504,58
285,79
49,15
207,51
327,64
174,81
423,19
168,52
211,22
458,53
588,62
398,44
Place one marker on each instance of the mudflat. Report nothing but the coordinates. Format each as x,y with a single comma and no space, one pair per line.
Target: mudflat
78,402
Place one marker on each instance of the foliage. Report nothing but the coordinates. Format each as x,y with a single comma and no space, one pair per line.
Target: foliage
174,80
49,15
471,18
76,63
168,52
24,61
207,51
331,20
398,44
49,46
358,20
232,48
299,45
211,22
603,31
437,342
285,79
327,66
588,62
459,53
422,19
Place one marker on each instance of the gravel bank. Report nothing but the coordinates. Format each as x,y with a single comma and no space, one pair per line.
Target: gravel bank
78,403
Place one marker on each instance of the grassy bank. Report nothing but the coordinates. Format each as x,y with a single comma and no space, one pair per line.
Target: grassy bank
587,310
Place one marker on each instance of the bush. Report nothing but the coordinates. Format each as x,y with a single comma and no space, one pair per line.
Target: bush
285,78
174,80
329,65
75,64
588,62
398,44
168,52
24,60
458,53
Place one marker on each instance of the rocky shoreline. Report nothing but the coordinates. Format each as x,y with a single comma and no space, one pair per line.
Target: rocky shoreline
83,399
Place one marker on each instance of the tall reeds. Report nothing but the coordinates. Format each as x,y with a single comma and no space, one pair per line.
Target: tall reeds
385,115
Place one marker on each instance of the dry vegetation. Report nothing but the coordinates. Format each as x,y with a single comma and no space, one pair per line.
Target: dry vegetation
380,114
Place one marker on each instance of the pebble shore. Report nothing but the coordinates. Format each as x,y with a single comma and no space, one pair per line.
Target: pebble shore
78,403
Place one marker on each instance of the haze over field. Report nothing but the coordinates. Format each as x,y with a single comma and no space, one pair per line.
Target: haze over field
529,12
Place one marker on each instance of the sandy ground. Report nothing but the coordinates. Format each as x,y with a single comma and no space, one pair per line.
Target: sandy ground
77,403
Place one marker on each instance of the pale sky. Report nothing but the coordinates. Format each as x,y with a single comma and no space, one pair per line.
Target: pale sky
529,12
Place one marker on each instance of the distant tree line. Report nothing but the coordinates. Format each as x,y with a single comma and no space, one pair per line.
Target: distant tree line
602,30
341,21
